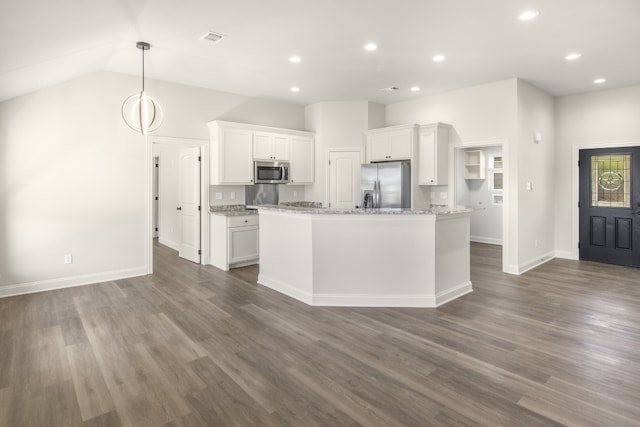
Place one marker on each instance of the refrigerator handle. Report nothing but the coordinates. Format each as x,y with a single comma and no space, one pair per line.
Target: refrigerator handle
374,195
376,192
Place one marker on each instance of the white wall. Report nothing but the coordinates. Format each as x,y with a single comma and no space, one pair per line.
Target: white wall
602,117
535,165
337,125
485,112
72,175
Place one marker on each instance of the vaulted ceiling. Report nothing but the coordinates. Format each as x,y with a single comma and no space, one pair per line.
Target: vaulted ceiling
44,42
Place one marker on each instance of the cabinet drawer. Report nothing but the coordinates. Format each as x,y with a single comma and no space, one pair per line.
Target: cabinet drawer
240,221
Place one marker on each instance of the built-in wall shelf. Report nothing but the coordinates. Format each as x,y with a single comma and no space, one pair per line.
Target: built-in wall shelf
474,164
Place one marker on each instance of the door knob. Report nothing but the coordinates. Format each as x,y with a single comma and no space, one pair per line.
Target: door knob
179,208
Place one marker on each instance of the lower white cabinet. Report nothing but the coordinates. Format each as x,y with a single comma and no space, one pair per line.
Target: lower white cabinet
234,241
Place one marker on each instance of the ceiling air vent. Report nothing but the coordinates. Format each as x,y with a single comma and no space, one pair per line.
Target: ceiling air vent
390,89
212,37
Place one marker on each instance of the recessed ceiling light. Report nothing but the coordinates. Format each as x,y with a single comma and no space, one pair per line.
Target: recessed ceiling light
599,81
370,47
414,89
295,59
528,15
295,89
573,56
438,58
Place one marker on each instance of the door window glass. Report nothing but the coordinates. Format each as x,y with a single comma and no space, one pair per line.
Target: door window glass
611,181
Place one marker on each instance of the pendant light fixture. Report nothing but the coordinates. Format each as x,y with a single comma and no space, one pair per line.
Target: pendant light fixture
141,112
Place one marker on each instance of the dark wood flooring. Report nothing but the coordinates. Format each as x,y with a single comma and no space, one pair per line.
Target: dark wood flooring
194,346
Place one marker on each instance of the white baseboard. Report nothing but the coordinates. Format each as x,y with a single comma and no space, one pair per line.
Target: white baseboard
529,265
487,240
69,282
453,293
173,245
366,300
567,255
285,288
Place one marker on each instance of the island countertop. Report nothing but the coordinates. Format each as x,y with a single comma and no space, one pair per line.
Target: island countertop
379,211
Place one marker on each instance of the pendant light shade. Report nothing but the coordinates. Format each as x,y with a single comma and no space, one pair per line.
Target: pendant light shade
141,112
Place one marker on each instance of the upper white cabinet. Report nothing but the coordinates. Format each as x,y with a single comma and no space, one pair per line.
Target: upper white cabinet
474,164
234,147
302,160
231,154
270,146
433,154
391,143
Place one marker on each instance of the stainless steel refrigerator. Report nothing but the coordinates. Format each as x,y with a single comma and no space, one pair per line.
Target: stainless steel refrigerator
385,185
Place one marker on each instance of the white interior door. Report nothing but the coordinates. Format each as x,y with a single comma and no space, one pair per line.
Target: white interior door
189,203
344,179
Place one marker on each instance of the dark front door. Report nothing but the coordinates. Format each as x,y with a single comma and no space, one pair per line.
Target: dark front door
610,205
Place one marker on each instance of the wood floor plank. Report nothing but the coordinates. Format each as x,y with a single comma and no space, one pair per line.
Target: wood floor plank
4,406
91,390
192,345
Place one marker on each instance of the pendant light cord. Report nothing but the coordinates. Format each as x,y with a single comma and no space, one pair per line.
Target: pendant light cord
142,69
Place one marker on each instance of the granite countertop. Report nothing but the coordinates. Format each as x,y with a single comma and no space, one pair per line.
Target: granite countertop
382,211
232,210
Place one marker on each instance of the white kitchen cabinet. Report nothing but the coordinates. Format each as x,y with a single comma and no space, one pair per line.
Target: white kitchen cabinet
231,155
474,164
433,154
234,146
302,160
392,143
234,241
270,146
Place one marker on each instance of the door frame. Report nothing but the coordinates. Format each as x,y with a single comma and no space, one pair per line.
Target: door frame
327,172
455,174
204,194
575,192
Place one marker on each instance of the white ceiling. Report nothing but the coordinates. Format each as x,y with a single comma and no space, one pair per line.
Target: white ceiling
44,42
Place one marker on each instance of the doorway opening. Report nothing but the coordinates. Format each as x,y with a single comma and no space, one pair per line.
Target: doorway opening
178,197
478,174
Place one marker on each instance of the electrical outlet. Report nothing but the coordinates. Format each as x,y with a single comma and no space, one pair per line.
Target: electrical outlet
535,243
232,195
218,195
68,259
295,193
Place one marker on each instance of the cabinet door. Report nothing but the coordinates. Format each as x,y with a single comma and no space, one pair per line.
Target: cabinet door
262,145
401,143
378,147
427,158
243,244
280,147
236,157
302,160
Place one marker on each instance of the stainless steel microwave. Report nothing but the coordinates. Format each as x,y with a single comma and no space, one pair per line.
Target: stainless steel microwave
275,172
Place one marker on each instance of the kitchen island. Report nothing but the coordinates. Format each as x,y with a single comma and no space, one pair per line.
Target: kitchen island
365,257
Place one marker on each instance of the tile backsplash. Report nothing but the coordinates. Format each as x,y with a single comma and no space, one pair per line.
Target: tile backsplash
235,194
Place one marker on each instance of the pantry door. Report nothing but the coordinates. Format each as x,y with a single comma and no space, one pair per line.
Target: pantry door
610,205
344,179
